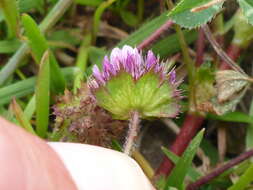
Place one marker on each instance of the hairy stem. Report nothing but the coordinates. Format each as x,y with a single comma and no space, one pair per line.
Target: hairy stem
216,172
132,132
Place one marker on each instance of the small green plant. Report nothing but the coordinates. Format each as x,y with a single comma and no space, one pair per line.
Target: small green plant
112,73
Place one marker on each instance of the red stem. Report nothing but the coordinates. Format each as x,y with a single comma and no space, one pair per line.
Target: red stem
216,172
155,35
192,123
233,52
200,47
189,128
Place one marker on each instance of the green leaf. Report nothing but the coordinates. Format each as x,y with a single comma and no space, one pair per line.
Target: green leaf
6,113
172,156
116,145
10,11
97,16
192,173
30,108
210,151
178,174
244,180
129,18
9,46
182,15
237,116
42,96
23,121
68,36
89,2
27,5
243,30
185,5
247,9
39,45
82,60
1,16
145,31
36,40
170,44
25,87
49,20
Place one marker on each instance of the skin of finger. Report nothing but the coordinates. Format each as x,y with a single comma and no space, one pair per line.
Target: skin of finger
99,168
28,163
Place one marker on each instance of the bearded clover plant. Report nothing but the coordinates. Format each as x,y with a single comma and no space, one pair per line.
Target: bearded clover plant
133,86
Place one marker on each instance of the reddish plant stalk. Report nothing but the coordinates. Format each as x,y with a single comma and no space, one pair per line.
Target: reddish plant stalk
216,172
155,35
200,47
188,130
233,52
191,123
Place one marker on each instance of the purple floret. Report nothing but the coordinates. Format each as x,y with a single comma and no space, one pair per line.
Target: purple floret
132,61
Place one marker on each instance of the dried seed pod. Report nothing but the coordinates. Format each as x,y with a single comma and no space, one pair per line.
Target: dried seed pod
85,121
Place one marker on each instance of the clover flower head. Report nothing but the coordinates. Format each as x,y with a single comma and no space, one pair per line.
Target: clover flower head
129,81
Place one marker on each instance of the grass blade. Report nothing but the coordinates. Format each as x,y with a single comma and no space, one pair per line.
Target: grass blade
235,116
27,86
178,174
145,31
10,11
42,96
9,46
244,180
36,40
30,108
192,173
82,60
39,45
89,2
53,16
20,116
97,17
